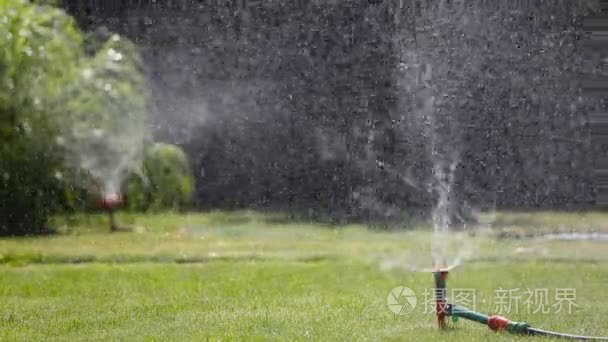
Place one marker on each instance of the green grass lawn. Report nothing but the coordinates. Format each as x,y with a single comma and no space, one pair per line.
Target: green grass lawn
248,276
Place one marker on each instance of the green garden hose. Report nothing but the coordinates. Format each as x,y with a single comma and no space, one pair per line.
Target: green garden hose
498,323
494,322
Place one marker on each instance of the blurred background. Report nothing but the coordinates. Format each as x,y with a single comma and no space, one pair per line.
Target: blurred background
272,169
315,106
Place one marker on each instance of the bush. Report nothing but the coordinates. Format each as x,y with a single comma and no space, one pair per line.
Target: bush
38,47
27,189
166,181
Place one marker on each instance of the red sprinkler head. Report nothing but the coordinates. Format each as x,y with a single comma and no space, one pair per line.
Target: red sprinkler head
111,201
441,275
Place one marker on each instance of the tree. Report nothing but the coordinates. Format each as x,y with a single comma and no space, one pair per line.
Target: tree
43,87
38,46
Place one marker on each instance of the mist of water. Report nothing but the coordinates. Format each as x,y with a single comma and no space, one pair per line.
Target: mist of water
107,154
105,129
439,130
441,215
443,152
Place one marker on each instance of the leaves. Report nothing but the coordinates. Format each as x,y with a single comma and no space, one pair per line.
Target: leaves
167,181
58,104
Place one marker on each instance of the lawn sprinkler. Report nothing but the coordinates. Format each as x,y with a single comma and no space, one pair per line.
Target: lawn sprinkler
494,322
110,203
441,276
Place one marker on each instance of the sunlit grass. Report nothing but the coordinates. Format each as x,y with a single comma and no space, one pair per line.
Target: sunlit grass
172,237
321,300
248,275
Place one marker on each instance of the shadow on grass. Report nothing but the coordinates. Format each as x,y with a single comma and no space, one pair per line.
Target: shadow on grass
39,259
82,223
45,230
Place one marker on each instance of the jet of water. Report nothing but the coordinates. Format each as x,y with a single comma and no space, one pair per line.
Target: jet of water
105,127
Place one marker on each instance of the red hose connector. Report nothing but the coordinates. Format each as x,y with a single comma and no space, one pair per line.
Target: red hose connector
497,323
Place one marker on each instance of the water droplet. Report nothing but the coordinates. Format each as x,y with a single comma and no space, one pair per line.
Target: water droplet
97,133
87,73
114,55
27,129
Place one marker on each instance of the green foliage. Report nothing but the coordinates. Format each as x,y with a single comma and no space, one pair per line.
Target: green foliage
47,80
38,46
25,187
167,181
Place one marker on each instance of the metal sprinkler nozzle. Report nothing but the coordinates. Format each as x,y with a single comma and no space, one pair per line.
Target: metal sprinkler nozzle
441,275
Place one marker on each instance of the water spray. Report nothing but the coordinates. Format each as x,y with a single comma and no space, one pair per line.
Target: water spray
494,322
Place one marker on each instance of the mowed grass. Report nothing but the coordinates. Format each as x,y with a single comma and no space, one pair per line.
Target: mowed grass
238,276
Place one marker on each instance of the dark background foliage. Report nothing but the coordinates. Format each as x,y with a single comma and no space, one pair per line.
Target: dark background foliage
313,105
